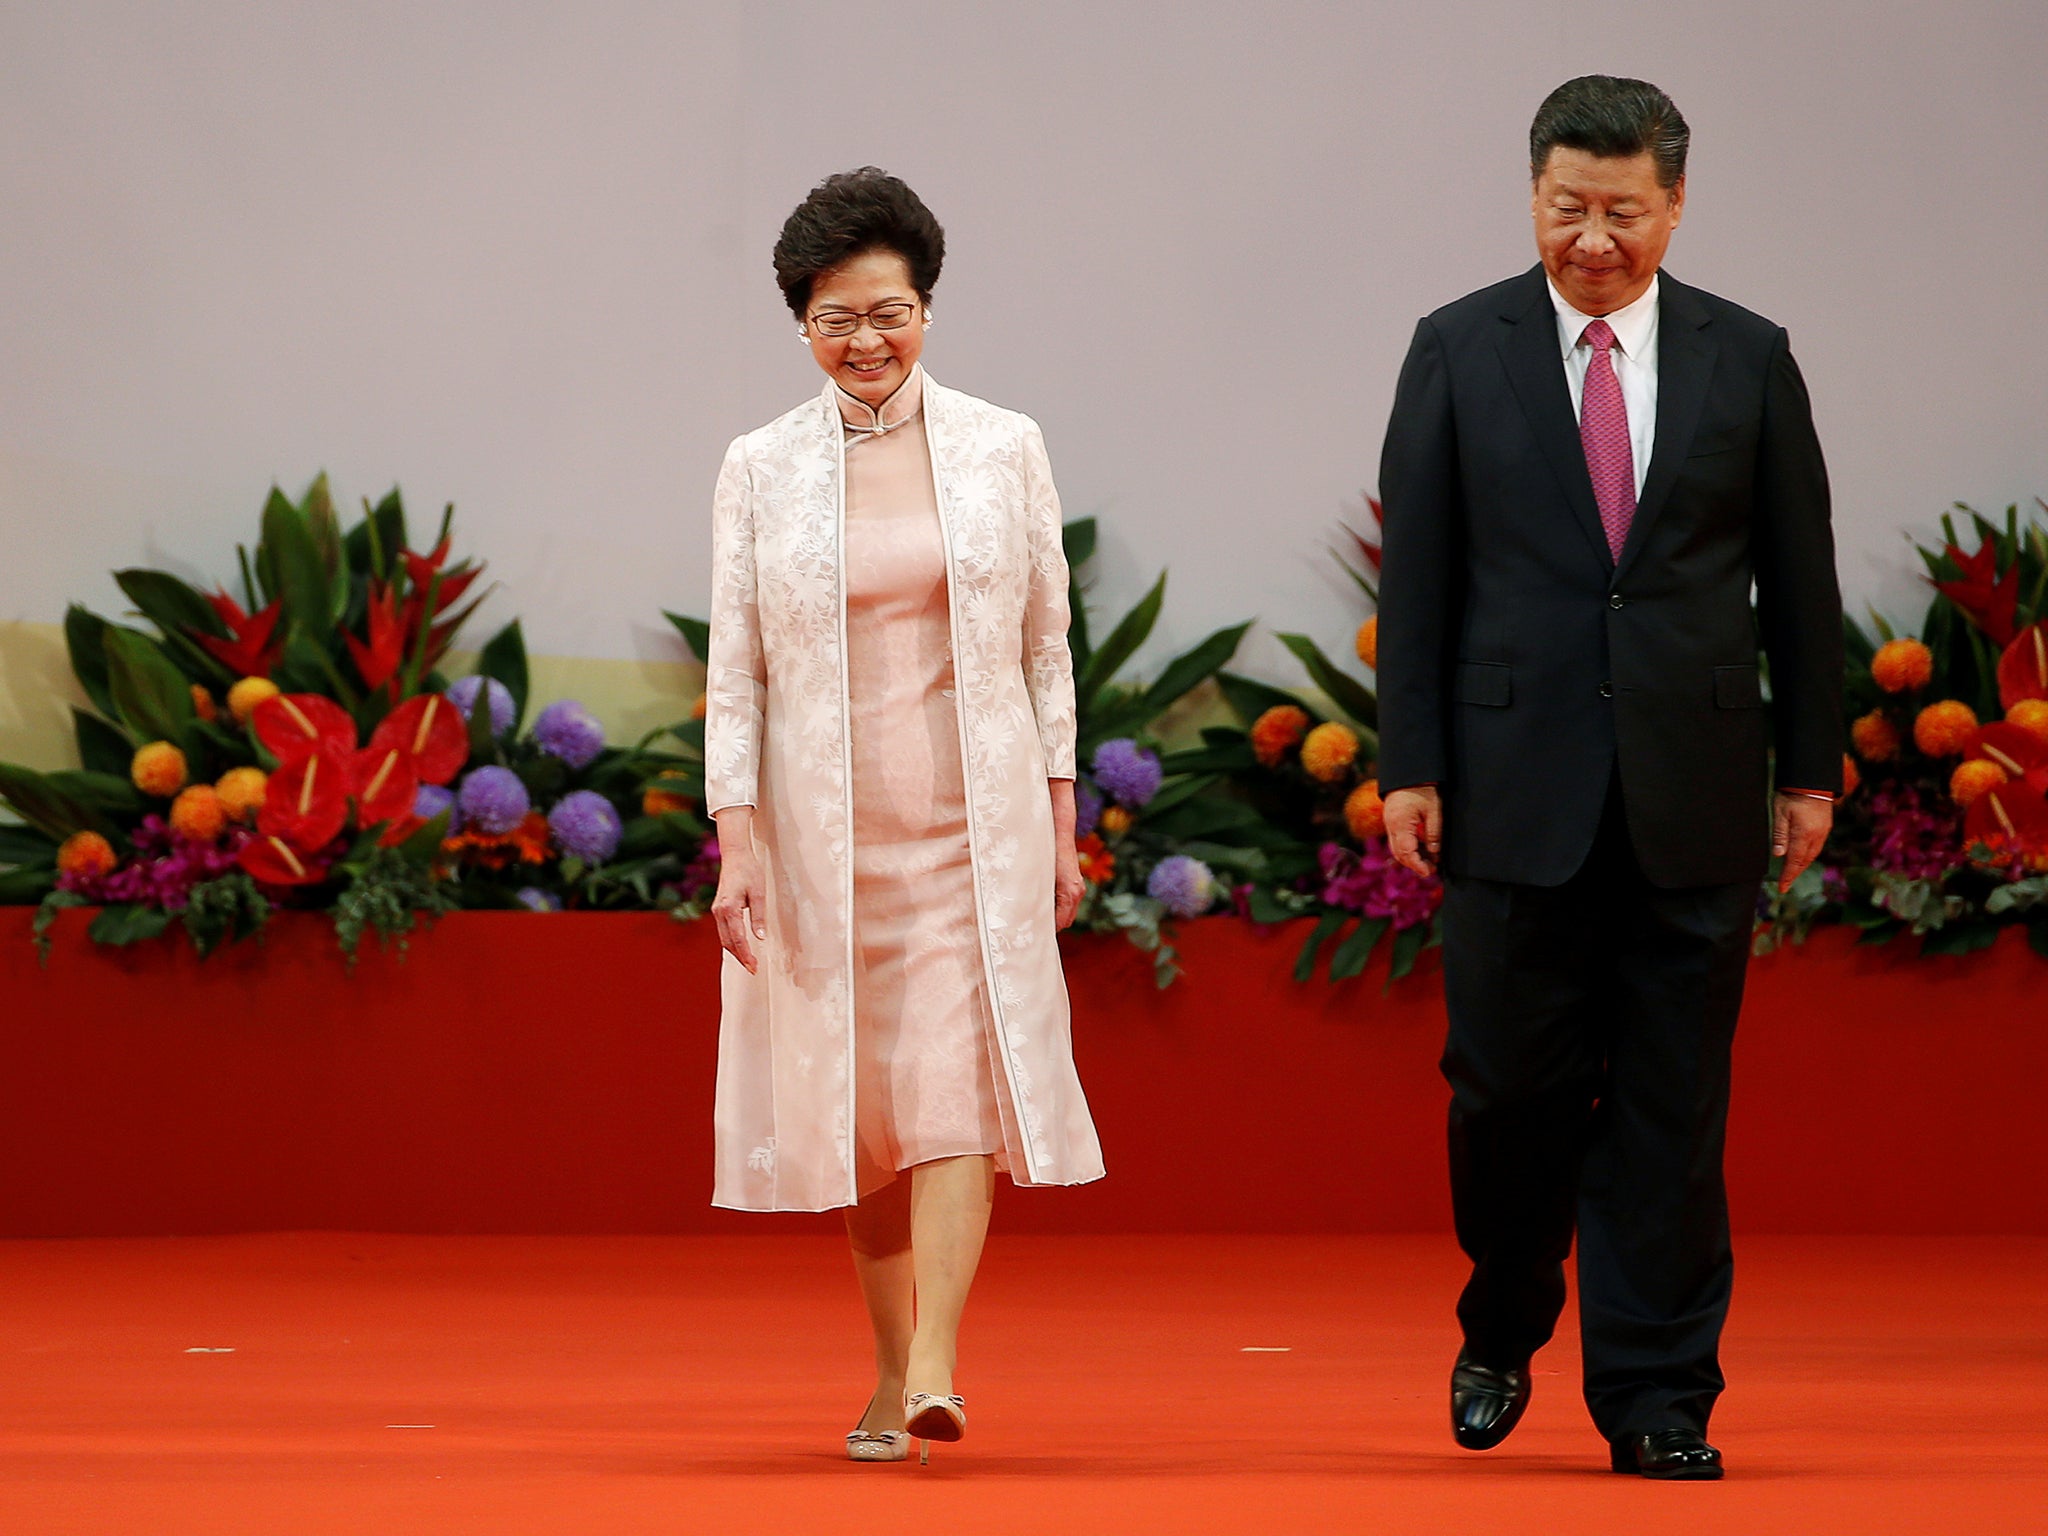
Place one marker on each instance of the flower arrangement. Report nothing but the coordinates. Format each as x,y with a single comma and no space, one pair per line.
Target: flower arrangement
1944,834
1309,775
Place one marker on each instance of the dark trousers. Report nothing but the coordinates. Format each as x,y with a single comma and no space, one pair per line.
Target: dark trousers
1588,1058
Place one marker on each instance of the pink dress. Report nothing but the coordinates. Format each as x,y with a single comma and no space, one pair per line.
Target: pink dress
926,1080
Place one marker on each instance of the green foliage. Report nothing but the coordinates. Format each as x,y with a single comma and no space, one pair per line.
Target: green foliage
504,658
385,892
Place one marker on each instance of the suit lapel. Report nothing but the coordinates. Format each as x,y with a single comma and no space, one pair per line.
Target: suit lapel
1685,365
1535,369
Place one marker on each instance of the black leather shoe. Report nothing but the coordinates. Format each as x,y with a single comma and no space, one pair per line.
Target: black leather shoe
1486,1404
1670,1455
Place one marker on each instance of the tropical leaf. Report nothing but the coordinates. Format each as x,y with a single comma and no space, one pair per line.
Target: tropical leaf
21,887
504,658
85,638
1249,698
1409,944
292,554
127,924
1194,666
26,846
52,809
1305,962
151,696
101,744
111,793
1077,539
1349,957
1344,690
171,605
695,632
1123,642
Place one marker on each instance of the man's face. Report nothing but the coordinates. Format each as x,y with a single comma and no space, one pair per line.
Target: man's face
1602,226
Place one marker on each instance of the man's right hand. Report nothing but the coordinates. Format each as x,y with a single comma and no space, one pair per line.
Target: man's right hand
1415,827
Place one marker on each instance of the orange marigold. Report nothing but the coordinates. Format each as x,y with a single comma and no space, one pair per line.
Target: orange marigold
2031,716
1098,864
1368,642
697,709
1328,751
85,853
1850,777
241,792
158,769
661,802
203,705
1971,779
1275,733
1114,820
1365,813
247,694
1945,728
197,813
1876,738
1902,665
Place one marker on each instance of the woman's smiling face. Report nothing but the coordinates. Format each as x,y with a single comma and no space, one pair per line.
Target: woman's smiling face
871,362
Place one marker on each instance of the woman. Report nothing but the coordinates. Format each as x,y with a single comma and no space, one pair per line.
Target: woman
889,755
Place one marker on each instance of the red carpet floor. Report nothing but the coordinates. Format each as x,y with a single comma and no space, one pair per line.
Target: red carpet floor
305,1384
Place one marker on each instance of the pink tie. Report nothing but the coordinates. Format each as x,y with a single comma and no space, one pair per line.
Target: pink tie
1603,430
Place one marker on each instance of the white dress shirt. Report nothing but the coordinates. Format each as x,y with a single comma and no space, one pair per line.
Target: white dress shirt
1635,366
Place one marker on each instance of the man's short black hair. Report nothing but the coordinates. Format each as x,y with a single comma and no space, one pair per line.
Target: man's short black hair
1608,115
852,212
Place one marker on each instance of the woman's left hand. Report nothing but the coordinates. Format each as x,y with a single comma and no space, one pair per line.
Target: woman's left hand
1067,884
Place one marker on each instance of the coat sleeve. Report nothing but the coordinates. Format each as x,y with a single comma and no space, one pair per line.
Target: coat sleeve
736,671
1799,607
1048,664
1419,555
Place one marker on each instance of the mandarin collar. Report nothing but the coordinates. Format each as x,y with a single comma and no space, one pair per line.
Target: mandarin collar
901,408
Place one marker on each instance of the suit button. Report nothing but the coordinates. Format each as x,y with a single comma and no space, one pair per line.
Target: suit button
1607,690
1616,602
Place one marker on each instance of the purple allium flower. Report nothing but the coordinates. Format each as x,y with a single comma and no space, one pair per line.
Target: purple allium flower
1915,835
534,899
1372,883
1186,885
567,730
1087,808
586,826
462,694
493,800
432,800
1128,773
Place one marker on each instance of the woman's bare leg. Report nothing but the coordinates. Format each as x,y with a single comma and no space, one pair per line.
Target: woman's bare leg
879,1230
949,1210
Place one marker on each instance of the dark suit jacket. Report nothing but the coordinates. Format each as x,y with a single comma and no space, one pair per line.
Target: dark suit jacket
1519,664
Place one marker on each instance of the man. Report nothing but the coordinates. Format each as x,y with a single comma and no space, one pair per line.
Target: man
1587,468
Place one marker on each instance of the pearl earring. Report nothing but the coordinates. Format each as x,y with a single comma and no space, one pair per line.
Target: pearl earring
803,333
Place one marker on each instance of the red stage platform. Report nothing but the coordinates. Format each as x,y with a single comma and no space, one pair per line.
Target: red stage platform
521,1073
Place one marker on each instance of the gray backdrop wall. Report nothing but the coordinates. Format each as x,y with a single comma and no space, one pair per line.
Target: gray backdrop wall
516,256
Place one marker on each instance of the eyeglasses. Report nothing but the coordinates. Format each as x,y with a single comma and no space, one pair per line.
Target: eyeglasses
892,316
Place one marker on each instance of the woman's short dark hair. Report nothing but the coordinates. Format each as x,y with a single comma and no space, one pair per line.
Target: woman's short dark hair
1609,115
852,212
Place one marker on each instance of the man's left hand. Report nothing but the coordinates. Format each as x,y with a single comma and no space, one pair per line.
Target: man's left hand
1799,826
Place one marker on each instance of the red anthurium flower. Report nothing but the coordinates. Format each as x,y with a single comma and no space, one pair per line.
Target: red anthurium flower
255,646
430,731
292,725
1990,600
306,802
378,661
384,783
2015,814
273,861
2023,669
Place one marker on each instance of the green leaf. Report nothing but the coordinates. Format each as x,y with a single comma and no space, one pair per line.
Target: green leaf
1345,691
151,696
1350,956
1194,666
110,793
1249,698
483,745
44,802
504,658
85,638
101,745
170,604
1327,924
695,632
128,924
420,848
1265,907
293,554
2037,935
1409,944
1202,818
1219,757
1177,791
25,887
1077,540
25,845
1960,938
1123,642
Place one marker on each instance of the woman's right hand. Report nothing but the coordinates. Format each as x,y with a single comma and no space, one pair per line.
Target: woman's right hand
740,907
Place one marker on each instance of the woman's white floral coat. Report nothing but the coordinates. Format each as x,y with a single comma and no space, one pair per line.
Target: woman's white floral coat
776,738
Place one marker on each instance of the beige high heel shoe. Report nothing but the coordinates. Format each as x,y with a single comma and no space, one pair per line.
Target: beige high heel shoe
928,1417
877,1444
